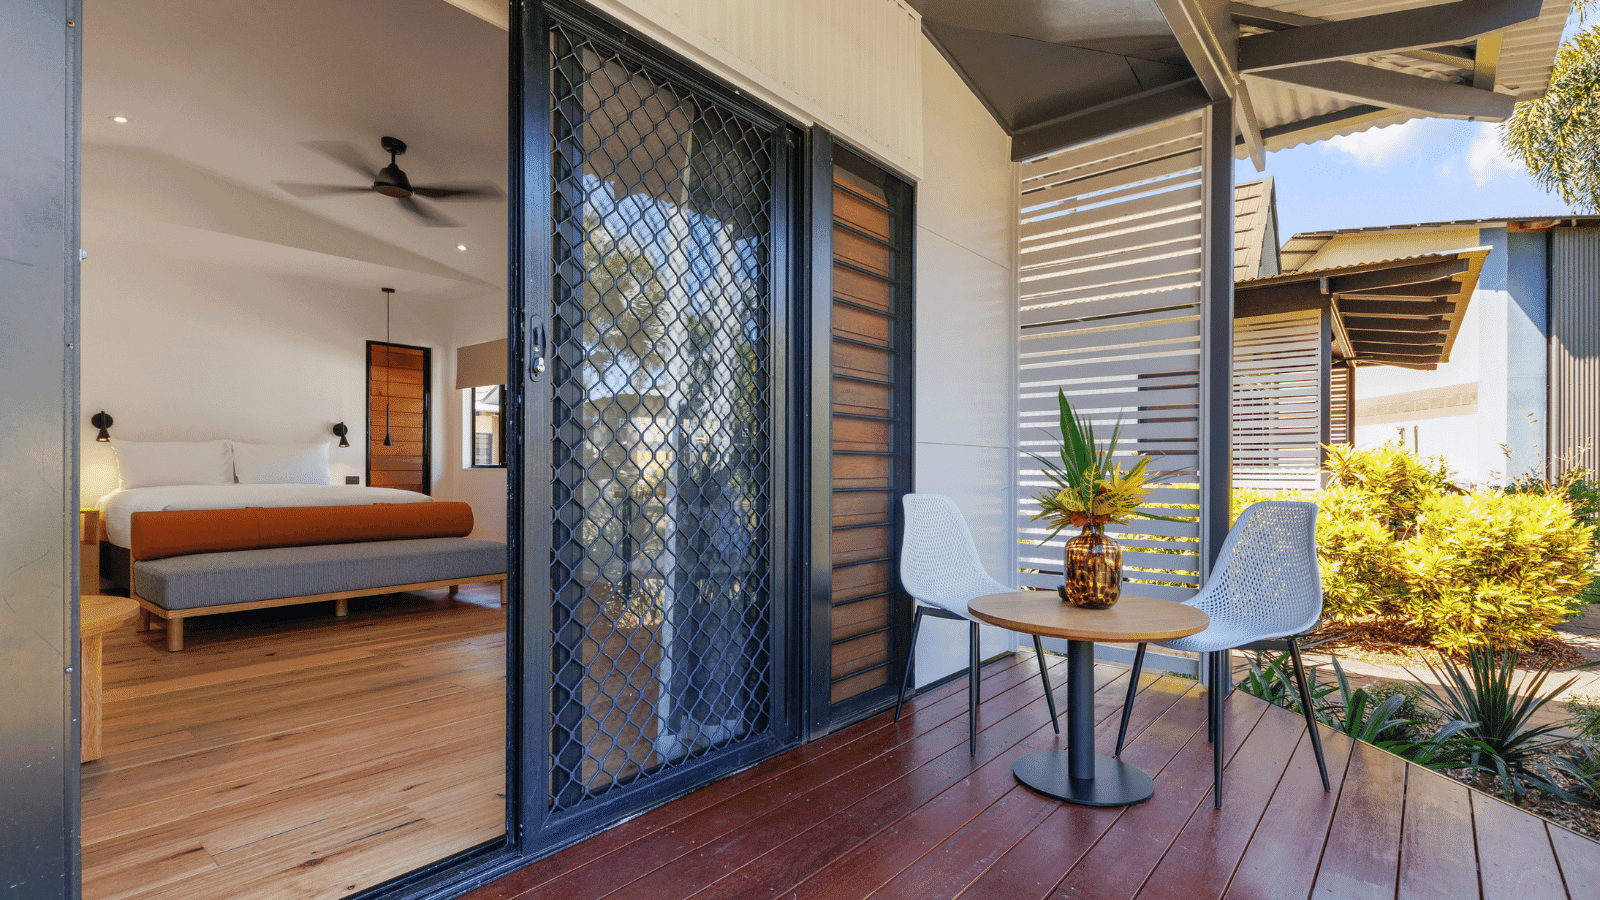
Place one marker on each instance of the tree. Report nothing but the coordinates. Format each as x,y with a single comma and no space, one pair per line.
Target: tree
1557,136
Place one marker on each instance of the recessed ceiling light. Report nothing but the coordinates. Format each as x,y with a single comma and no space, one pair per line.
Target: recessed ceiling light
120,120
462,247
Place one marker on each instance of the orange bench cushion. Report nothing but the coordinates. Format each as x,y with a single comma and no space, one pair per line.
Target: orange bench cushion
181,532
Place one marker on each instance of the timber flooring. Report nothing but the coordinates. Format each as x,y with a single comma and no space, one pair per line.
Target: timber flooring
899,810
289,753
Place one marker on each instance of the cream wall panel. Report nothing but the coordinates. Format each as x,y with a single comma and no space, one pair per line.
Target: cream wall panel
966,353
977,479
854,66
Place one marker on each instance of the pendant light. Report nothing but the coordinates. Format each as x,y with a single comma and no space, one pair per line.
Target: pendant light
388,363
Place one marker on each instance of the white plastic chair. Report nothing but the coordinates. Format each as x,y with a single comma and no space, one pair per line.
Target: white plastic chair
939,567
1265,586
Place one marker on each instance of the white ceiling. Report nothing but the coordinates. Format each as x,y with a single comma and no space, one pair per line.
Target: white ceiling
221,94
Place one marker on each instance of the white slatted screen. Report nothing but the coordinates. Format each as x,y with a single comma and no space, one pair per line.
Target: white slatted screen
1277,401
1109,293
1342,403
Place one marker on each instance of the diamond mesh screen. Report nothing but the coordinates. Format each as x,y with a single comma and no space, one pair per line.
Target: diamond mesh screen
661,383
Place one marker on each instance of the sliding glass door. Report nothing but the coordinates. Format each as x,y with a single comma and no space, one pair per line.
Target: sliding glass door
662,395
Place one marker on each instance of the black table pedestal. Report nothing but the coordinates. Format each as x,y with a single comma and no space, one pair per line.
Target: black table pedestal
1078,774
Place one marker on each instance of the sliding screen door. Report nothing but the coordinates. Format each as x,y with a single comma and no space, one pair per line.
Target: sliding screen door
666,464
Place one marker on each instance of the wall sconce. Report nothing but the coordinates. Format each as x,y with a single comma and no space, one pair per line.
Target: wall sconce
341,431
101,421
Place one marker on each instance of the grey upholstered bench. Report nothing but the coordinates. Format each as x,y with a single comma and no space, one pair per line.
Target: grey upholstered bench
180,587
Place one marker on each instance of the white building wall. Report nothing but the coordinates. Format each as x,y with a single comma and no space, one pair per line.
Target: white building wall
965,363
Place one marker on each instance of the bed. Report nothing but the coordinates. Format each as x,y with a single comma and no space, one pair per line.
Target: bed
205,475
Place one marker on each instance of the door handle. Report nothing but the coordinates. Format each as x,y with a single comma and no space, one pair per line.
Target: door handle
536,348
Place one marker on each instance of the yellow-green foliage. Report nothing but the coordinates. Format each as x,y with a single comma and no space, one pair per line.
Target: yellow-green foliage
1394,538
1495,568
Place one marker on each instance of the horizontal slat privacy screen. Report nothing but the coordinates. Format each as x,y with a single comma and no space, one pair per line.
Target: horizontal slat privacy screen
1277,401
1110,275
1341,403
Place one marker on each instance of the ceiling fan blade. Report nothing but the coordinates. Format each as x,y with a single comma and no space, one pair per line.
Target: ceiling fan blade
303,189
345,154
428,216
476,190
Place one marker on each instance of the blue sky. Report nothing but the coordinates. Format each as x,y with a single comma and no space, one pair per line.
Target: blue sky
1425,170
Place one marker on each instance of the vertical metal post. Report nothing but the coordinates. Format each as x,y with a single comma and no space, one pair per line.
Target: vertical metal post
1216,332
1080,707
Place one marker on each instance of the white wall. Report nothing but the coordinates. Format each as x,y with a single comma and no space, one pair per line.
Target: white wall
190,350
473,322
965,355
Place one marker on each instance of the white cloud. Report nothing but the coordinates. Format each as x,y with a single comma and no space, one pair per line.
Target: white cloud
1376,146
1486,158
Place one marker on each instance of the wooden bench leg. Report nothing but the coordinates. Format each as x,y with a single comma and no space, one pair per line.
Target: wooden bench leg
454,590
502,585
144,619
174,635
341,608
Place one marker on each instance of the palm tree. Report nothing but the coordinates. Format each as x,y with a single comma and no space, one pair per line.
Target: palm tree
1557,136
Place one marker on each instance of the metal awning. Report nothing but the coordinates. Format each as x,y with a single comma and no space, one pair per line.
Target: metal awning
1396,312
1059,72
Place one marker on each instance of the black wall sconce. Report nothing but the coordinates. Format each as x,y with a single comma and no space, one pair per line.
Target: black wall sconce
101,421
341,431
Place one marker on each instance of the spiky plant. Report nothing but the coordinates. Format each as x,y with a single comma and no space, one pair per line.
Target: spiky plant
1090,489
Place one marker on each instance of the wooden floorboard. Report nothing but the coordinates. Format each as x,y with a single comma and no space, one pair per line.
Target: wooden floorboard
290,753
900,810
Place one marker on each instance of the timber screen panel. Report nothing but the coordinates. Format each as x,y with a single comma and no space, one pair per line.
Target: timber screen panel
397,404
1277,401
1109,299
870,334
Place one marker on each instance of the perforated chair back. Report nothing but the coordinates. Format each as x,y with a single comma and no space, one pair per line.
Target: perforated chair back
1266,584
939,563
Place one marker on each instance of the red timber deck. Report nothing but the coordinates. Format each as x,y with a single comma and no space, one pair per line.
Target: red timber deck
899,810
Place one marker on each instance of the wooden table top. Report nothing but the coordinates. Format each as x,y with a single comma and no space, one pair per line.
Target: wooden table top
1133,619
98,613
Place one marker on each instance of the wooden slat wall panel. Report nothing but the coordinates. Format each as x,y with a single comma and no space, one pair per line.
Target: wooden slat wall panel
1342,404
1109,312
864,428
398,379
1277,401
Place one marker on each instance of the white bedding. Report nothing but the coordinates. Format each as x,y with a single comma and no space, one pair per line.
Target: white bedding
117,508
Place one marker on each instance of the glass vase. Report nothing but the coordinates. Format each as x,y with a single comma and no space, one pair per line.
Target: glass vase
1093,570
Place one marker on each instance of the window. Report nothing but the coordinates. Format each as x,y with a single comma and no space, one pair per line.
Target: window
488,433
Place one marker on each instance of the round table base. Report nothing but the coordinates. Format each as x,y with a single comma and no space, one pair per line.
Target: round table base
1115,783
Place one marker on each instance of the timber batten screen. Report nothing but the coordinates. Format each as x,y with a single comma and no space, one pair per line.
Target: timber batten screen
1278,401
1110,275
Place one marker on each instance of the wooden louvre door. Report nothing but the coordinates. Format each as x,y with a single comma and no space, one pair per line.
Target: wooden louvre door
398,377
871,421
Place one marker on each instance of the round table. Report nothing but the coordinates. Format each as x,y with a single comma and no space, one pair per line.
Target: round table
1079,775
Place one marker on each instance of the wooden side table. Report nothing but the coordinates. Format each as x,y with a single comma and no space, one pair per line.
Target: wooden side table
89,550
1079,775
97,614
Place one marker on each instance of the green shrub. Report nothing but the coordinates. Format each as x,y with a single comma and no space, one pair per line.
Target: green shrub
1489,568
1495,569
1423,719
1582,494
1585,718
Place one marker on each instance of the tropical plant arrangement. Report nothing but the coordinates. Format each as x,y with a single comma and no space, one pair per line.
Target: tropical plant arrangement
1090,492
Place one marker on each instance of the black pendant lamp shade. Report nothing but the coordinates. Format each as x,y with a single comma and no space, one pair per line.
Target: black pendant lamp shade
388,294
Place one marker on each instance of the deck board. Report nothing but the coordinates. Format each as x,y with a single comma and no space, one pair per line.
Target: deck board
899,810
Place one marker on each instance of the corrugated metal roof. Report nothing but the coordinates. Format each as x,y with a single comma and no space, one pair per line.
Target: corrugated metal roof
1526,58
1303,247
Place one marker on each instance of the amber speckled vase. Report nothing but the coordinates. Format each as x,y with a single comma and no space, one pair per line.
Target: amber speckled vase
1093,570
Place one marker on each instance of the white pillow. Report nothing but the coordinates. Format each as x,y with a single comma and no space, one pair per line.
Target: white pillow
159,463
281,463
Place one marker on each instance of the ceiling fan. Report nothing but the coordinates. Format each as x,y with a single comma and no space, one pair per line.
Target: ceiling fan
390,181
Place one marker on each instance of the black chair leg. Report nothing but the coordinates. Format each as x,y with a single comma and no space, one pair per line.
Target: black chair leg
1211,695
1133,688
905,679
1305,705
972,693
1219,720
1044,676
